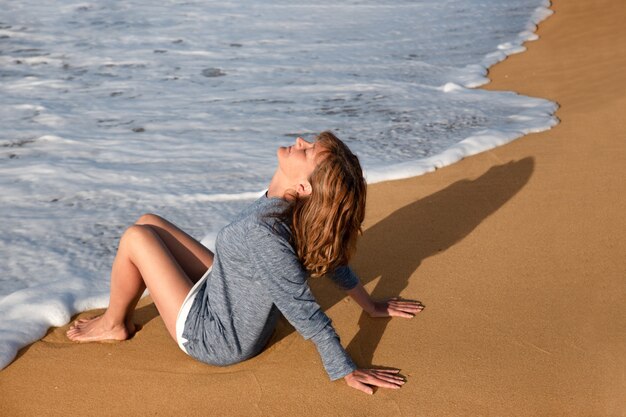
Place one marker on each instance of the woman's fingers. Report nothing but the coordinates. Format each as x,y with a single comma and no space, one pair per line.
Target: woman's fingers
365,379
404,311
379,379
387,373
398,313
407,304
396,380
395,307
365,388
404,308
384,371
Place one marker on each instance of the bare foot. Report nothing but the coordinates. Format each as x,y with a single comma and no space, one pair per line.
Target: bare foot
96,329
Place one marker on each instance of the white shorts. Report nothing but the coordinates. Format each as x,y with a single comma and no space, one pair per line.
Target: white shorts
184,311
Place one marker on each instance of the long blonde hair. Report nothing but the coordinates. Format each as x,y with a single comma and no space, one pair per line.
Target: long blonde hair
326,223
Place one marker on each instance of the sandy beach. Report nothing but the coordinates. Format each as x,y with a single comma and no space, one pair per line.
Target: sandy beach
518,254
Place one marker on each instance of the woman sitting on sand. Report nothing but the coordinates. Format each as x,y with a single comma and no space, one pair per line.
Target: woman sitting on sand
222,308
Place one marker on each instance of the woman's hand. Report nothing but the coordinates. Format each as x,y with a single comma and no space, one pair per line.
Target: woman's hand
395,307
364,379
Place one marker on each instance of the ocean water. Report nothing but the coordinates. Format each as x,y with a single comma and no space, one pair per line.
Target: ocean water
109,110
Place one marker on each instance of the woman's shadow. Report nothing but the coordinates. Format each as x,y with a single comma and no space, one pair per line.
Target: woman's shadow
405,238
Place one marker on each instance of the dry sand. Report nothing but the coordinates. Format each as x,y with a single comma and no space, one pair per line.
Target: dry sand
518,254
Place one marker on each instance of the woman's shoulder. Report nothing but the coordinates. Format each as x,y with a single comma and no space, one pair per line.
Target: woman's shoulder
264,215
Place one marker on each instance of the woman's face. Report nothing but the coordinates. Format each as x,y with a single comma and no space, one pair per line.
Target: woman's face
298,161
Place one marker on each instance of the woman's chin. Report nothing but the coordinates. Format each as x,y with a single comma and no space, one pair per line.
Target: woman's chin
282,151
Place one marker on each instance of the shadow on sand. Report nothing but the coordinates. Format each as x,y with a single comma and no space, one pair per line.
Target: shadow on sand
402,240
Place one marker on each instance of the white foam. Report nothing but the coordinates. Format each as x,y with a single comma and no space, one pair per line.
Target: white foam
475,75
27,314
537,116
199,198
448,87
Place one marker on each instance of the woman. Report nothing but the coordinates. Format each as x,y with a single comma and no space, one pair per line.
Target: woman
222,308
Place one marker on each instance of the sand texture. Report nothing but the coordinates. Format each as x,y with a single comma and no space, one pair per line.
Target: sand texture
519,255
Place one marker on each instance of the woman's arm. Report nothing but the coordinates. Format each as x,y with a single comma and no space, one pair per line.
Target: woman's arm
393,307
361,297
285,281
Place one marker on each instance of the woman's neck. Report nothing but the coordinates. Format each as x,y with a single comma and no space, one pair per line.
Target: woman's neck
277,186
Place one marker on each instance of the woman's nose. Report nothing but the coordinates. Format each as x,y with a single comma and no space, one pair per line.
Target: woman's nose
301,142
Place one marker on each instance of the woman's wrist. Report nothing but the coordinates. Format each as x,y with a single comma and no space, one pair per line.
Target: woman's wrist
370,308
362,298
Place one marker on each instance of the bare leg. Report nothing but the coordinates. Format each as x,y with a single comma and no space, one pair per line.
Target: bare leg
193,257
143,259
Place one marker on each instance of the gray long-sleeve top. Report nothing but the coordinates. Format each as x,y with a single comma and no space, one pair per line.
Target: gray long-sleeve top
256,274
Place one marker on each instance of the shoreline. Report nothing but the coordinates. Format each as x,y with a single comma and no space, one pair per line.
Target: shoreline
484,140
517,253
